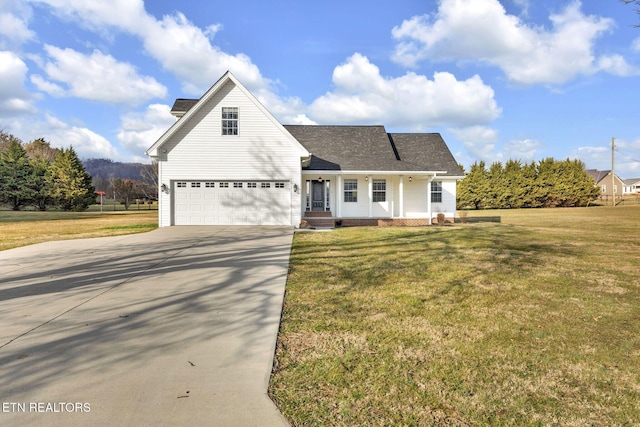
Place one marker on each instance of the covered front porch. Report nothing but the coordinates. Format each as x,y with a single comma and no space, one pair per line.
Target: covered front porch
374,198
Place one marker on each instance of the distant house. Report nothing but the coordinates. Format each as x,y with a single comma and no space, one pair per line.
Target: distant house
227,160
604,182
631,186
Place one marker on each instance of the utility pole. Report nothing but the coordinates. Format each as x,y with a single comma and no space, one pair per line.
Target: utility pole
613,175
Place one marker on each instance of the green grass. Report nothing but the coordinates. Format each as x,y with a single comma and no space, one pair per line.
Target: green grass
534,320
145,227
30,227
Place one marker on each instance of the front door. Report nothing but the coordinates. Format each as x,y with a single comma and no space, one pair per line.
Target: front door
317,196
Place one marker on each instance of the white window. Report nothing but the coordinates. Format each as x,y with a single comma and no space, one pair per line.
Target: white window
379,190
251,185
224,185
181,185
279,184
195,185
265,185
604,188
229,120
350,190
237,185
436,191
210,184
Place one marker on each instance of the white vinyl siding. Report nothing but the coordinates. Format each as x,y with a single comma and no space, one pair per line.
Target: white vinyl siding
198,151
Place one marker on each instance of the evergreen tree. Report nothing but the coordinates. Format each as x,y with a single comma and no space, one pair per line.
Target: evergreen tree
496,186
16,175
69,182
531,197
473,189
41,155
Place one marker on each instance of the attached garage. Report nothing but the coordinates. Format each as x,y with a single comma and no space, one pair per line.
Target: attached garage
231,202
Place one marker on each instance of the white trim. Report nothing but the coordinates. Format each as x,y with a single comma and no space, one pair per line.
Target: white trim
153,150
401,197
374,172
370,195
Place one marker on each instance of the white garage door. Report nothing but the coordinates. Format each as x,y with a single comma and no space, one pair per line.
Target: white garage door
232,202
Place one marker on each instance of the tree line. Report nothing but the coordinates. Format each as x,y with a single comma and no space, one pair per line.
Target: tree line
40,176
124,182
547,183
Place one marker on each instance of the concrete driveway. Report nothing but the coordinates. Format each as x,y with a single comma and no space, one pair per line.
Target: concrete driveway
176,327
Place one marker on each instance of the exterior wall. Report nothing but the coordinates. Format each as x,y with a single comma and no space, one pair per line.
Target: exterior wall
448,205
199,151
608,191
415,200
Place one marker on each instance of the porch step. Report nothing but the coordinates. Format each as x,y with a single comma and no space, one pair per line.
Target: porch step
321,222
318,214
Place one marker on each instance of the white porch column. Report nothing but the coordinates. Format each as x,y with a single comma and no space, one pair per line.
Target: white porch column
429,198
401,197
339,196
370,195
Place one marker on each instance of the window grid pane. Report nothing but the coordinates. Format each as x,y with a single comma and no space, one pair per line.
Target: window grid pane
436,192
229,120
351,190
379,190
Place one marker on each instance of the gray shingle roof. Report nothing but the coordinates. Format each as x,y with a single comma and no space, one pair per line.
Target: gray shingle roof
365,148
597,175
371,148
182,105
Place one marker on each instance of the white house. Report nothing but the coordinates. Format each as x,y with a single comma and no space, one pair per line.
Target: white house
227,160
631,186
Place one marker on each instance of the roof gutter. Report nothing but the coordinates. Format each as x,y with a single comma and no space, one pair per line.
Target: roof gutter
371,172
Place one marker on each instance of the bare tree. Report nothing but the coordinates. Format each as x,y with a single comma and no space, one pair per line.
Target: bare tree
637,3
149,175
125,190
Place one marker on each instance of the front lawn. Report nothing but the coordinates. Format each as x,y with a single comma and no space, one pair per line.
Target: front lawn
28,227
533,320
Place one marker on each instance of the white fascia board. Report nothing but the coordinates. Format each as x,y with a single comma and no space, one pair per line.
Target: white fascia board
356,172
153,150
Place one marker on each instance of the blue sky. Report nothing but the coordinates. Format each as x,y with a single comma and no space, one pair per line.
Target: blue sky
510,79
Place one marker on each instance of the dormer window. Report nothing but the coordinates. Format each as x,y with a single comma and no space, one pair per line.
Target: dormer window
229,120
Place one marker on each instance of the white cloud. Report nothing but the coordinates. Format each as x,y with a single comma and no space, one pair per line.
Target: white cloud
627,157
139,131
85,142
635,46
14,98
480,141
98,15
482,31
412,101
616,65
97,77
525,150
177,44
13,30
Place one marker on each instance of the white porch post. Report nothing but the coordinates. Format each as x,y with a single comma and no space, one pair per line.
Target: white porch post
429,198
370,195
339,196
401,197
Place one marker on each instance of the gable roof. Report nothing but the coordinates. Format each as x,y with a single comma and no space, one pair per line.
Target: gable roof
599,175
631,181
371,148
190,108
182,105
